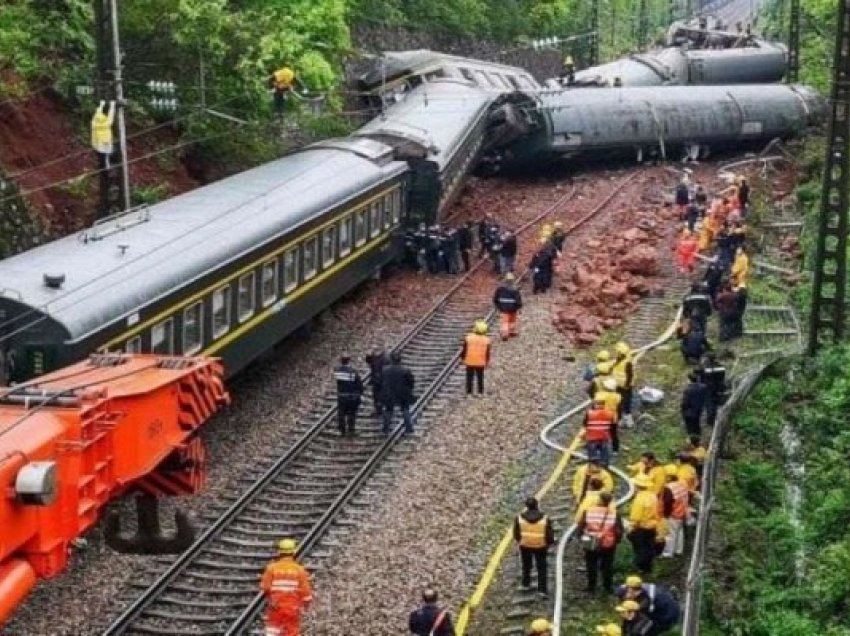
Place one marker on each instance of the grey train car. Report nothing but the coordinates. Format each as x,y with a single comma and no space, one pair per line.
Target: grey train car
667,119
439,115
764,62
227,270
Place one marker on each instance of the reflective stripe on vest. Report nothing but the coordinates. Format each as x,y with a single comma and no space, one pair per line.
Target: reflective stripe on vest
476,350
345,376
598,427
532,535
602,521
680,499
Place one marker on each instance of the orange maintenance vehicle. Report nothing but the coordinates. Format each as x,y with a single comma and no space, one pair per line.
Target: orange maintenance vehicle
75,439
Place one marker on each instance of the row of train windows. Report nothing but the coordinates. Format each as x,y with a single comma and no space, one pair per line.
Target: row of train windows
496,80
261,288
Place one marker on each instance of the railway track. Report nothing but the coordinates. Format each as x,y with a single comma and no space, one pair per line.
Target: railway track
212,587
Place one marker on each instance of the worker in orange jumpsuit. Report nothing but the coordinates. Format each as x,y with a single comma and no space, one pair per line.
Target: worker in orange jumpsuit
686,252
508,302
476,355
286,585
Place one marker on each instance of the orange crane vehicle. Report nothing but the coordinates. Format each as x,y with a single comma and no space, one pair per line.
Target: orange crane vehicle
73,440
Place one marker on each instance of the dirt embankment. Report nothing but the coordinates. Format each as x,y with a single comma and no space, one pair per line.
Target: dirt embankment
44,150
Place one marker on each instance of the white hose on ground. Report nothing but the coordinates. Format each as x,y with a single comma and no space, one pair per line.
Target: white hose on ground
545,438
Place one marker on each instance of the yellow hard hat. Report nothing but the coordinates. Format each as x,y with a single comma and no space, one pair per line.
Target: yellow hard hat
672,470
603,356
287,546
540,625
603,368
509,276
622,348
547,228
543,240
628,606
634,581
480,327
558,224
642,481
610,629
568,60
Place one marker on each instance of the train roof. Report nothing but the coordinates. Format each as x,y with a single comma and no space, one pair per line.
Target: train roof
435,117
395,64
116,271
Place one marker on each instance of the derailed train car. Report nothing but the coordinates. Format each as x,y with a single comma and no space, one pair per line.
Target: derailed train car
762,62
673,121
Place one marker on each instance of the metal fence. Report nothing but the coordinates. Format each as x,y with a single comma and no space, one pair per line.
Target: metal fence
695,583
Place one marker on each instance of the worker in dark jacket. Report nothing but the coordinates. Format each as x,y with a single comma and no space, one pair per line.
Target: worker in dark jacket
712,279
349,390
726,304
397,391
694,399
377,360
464,243
429,619
534,533
713,375
484,233
542,266
694,346
508,253
697,300
655,601
508,302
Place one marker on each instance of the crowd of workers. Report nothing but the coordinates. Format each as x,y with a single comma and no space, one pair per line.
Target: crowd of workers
665,493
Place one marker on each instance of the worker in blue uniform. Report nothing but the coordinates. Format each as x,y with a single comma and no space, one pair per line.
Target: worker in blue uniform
349,390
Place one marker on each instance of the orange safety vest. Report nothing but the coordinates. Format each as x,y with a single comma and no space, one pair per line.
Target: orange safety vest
287,585
602,522
598,427
532,535
476,350
680,499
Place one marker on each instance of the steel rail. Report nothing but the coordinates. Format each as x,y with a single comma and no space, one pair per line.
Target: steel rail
124,622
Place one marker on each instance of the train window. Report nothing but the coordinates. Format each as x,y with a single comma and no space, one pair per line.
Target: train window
375,219
193,330
245,297
483,79
221,311
396,206
388,211
268,282
311,258
162,337
345,236
290,270
134,345
468,75
328,246
360,227
512,79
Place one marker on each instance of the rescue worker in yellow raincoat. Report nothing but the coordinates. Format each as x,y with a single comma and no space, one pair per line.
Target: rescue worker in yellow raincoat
101,130
282,81
286,585
623,372
592,469
740,269
476,355
609,629
643,523
540,627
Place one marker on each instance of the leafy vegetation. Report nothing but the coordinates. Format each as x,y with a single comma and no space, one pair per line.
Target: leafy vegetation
758,591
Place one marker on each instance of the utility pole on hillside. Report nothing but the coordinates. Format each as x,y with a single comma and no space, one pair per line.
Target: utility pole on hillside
594,28
829,293
642,24
794,42
114,181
